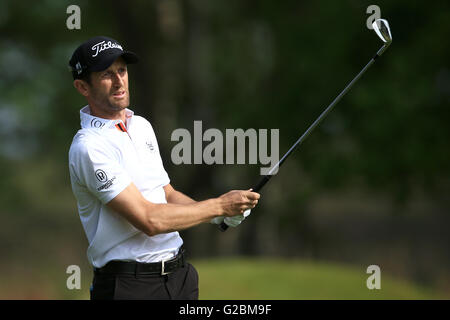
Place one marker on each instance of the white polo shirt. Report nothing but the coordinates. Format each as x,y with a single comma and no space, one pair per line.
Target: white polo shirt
104,158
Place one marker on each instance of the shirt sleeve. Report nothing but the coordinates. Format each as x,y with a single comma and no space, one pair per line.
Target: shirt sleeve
99,171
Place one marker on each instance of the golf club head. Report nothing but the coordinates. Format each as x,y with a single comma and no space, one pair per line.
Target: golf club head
381,27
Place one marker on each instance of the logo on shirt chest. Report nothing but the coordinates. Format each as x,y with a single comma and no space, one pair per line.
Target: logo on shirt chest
150,146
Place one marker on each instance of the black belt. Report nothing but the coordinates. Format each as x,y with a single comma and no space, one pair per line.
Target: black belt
139,268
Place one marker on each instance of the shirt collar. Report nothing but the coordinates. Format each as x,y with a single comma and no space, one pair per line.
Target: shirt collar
89,121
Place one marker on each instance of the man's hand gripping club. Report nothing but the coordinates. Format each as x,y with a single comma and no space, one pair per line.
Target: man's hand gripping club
237,205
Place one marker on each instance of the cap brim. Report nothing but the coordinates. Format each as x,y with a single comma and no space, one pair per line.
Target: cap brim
128,56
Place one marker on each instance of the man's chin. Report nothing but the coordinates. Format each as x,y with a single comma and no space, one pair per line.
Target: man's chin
120,105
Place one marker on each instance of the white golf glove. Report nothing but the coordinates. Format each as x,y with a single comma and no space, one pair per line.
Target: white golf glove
236,220
217,220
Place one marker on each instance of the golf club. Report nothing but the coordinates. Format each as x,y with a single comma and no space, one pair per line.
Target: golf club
381,27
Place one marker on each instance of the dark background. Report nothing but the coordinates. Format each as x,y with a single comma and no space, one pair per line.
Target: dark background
369,186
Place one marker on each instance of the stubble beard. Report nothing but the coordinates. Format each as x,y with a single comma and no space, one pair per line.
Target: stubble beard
106,104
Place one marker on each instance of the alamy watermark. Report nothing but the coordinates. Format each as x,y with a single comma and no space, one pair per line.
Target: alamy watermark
374,281
74,20
226,148
74,280
376,14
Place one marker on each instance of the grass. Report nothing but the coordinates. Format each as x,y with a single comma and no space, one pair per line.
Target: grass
242,278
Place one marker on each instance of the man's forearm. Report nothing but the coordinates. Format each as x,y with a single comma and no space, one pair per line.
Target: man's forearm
164,218
155,218
178,197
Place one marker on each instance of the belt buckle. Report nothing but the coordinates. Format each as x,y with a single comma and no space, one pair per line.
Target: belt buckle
163,273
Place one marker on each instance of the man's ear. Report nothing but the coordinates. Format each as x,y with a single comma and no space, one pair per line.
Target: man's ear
82,87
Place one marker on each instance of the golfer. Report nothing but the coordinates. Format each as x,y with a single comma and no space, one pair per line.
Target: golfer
130,212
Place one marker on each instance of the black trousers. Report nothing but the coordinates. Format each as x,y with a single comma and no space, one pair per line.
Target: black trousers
179,285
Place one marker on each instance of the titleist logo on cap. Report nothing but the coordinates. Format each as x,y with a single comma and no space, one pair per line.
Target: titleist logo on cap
101,46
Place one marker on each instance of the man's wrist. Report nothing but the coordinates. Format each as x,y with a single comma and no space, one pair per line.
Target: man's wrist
218,207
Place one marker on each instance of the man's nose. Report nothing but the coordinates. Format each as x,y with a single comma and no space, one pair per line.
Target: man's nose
117,79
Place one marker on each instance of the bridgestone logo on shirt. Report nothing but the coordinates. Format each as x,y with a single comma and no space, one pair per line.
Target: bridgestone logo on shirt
108,184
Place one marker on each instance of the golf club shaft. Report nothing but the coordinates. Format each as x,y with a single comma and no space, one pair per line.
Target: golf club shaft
223,226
